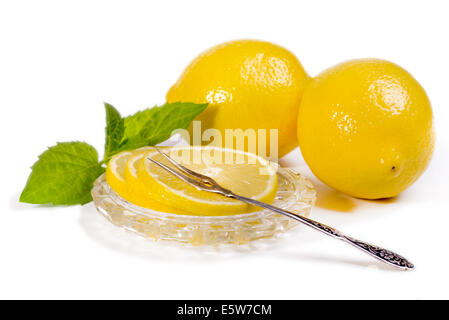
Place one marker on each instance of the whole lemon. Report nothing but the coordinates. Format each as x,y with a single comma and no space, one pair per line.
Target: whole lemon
365,127
248,84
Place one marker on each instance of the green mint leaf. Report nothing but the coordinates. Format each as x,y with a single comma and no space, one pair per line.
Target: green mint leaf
64,174
115,129
155,125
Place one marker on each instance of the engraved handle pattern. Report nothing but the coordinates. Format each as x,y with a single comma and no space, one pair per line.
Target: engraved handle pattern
382,254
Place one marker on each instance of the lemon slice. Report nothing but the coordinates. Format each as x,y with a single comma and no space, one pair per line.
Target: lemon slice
243,173
124,181
115,173
137,192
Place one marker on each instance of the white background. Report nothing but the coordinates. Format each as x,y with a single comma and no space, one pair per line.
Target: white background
59,60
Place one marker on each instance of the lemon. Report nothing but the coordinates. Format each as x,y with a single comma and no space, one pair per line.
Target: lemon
138,193
122,180
115,173
243,173
248,84
365,127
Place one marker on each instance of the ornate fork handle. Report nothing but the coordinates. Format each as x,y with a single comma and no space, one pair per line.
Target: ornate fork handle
382,254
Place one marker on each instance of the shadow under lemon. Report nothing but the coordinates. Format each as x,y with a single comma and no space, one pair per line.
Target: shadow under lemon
383,200
331,199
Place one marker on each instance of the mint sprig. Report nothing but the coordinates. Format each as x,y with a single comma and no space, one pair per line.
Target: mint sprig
152,126
115,128
64,174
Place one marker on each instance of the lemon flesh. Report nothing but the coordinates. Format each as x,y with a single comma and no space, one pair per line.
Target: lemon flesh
115,173
365,127
243,173
121,177
259,81
139,193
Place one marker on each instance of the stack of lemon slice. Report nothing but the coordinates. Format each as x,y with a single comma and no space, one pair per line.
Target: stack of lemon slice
135,178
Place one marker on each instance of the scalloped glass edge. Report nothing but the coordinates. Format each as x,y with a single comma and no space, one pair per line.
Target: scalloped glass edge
295,193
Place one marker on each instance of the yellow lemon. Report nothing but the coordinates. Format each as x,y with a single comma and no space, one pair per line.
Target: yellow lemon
365,127
248,84
115,173
138,193
243,173
120,177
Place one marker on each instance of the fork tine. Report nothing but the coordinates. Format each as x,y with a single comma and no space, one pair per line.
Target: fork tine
197,175
180,175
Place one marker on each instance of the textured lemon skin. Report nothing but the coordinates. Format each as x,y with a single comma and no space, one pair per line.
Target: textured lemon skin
248,84
365,127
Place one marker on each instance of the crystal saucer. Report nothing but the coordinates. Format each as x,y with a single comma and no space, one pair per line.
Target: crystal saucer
295,193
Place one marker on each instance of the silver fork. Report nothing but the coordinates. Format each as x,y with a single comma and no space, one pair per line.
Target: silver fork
208,184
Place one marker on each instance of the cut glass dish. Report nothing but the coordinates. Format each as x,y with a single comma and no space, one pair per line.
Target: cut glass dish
295,193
